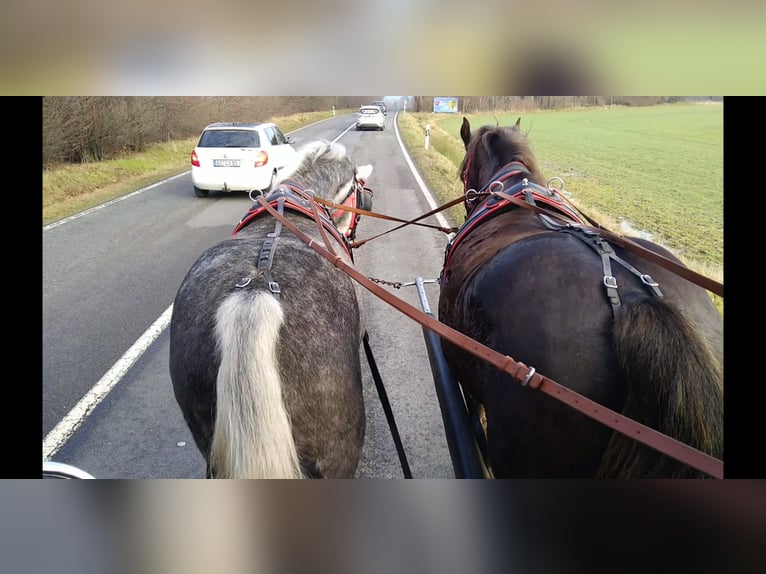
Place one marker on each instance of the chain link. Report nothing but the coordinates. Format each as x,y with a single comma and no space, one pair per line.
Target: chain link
399,284
395,284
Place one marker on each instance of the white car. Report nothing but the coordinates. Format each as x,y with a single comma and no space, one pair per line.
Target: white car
239,157
370,117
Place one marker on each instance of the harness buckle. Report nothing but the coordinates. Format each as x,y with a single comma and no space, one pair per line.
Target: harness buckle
610,282
528,378
649,281
274,287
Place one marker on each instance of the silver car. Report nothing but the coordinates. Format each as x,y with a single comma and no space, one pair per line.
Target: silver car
370,117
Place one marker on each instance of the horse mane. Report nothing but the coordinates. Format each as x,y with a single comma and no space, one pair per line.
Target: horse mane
492,147
318,164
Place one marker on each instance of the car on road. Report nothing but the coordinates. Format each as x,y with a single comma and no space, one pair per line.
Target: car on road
382,105
233,156
370,117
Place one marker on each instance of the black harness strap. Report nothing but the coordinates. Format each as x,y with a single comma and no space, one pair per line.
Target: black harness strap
607,253
386,406
266,256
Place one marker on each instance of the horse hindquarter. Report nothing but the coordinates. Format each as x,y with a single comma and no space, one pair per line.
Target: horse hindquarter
291,364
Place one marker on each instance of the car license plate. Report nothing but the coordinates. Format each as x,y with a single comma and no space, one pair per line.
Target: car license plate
225,163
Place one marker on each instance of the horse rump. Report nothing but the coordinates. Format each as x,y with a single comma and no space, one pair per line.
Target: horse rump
675,385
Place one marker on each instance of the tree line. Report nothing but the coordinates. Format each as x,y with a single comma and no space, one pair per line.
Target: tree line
80,129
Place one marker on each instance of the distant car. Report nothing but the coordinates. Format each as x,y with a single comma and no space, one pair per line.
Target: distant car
382,105
239,157
370,117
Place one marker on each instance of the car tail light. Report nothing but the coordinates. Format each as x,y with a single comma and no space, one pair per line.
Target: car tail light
261,158
194,159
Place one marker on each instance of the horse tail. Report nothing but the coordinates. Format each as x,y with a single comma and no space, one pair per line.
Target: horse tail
674,385
252,436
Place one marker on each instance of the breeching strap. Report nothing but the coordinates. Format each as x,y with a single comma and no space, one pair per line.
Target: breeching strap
521,372
685,272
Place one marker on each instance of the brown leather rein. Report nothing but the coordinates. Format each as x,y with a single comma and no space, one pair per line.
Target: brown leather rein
526,375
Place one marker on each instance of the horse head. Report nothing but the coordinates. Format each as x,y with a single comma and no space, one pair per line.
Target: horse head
487,151
323,168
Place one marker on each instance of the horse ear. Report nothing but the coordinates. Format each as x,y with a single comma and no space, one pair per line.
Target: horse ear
465,132
363,172
517,125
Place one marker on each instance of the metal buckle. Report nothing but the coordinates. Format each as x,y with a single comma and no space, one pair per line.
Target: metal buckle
610,282
274,287
528,378
649,281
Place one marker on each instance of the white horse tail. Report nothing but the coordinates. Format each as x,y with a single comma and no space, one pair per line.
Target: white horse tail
252,437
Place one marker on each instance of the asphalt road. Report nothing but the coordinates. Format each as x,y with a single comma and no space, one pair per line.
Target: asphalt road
109,279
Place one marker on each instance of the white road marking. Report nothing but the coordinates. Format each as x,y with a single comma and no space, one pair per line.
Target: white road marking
72,421
423,187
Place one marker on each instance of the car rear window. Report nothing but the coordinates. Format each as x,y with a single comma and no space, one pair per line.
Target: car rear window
370,111
229,138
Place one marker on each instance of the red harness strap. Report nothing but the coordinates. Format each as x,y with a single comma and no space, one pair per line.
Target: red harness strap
499,202
295,199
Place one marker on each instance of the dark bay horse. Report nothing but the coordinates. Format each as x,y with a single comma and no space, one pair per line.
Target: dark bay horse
265,334
606,323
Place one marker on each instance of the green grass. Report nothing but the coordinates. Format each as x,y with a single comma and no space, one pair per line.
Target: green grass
655,169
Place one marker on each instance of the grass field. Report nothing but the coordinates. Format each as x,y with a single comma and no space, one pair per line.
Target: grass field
656,170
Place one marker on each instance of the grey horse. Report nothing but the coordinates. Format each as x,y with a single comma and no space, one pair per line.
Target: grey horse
265,334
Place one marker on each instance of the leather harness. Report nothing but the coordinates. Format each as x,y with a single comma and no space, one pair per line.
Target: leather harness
497,200
294,197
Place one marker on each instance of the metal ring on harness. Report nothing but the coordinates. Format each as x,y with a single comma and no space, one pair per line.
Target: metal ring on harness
471,195
258,192
495,187
553,190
